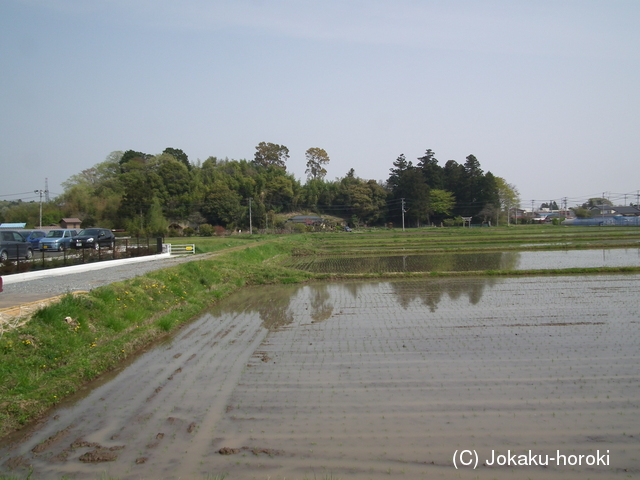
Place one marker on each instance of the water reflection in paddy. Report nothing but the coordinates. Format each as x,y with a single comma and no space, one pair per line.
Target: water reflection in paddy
368,380
460,262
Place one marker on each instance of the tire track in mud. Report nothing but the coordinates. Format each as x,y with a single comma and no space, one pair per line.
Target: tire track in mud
165,404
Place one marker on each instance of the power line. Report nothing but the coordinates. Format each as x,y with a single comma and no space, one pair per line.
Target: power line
15,194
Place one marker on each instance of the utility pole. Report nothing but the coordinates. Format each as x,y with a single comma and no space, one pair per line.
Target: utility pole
41,192
250,225
403,210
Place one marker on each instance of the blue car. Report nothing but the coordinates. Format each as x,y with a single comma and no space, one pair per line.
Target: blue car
33,237
58,239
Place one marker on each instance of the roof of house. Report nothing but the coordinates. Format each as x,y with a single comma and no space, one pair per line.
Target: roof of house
71,220
305,218
619,210
12,225
627,210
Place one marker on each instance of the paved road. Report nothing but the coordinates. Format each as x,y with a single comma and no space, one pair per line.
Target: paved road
30,287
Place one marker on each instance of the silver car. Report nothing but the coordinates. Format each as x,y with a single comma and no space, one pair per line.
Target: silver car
57,240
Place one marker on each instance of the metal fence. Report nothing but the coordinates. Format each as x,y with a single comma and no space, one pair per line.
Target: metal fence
125,247
187,249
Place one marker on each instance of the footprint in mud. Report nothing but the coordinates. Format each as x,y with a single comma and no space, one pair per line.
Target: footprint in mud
52,440
16,462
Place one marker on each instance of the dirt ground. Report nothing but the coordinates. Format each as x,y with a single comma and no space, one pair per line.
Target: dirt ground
367,380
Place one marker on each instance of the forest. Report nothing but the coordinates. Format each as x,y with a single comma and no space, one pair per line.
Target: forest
156,194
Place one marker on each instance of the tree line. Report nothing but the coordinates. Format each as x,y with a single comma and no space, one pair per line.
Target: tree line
145,193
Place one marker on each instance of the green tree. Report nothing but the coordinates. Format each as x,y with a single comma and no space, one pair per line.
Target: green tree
178,155
222,205
271,155
441,203
157,224
454,176
176,187
407,182
417,194
433,173
316,159
582,212
141,185
488,198
130,155
595,202
364,199
94,195
508,195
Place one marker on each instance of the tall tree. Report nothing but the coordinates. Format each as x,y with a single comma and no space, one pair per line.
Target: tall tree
454,174
316,159
433,174
400,167
271,155
416,192
407,182
469,193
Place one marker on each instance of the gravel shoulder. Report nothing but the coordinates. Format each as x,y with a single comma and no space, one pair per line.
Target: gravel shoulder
38,289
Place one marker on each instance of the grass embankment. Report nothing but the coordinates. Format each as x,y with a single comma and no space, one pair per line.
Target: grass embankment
438,240
50,358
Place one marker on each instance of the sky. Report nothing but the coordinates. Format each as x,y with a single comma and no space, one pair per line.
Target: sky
544,93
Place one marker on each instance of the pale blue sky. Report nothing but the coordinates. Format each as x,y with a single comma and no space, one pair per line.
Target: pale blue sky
546,94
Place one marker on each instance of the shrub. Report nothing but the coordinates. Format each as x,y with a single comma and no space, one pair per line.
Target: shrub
206,230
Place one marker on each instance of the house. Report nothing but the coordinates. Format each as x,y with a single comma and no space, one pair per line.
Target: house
623,211
71,223
629,211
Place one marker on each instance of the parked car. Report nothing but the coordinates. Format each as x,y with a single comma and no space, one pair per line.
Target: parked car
57,239
94,238
33,237
14,246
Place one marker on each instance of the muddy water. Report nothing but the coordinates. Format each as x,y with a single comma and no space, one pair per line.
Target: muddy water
367,380
458,262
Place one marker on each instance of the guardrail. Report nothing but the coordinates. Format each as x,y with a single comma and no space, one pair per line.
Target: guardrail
182,249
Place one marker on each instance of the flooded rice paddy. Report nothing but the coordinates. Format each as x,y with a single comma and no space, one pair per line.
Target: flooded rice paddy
370,380
461,262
